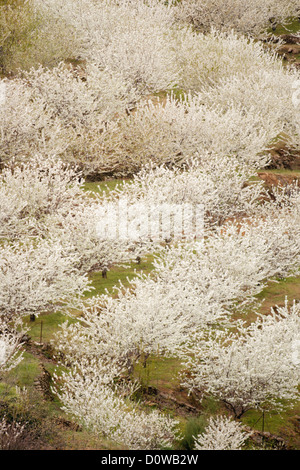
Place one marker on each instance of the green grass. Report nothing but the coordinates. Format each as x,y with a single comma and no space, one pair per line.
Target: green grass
276,292
292,26
27,371
48,323
193,427
99,186
116,274
159,372
283,424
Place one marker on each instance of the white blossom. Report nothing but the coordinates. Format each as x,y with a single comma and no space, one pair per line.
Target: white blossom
88,393
10,433
222,433
252,367
251,16
38,277
10,343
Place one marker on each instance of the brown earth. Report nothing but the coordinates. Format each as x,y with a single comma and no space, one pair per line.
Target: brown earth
273,179
290,49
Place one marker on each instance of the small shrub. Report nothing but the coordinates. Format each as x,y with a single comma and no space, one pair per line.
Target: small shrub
193,427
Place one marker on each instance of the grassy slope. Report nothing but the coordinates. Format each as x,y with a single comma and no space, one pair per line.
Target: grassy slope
291,27
160,373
